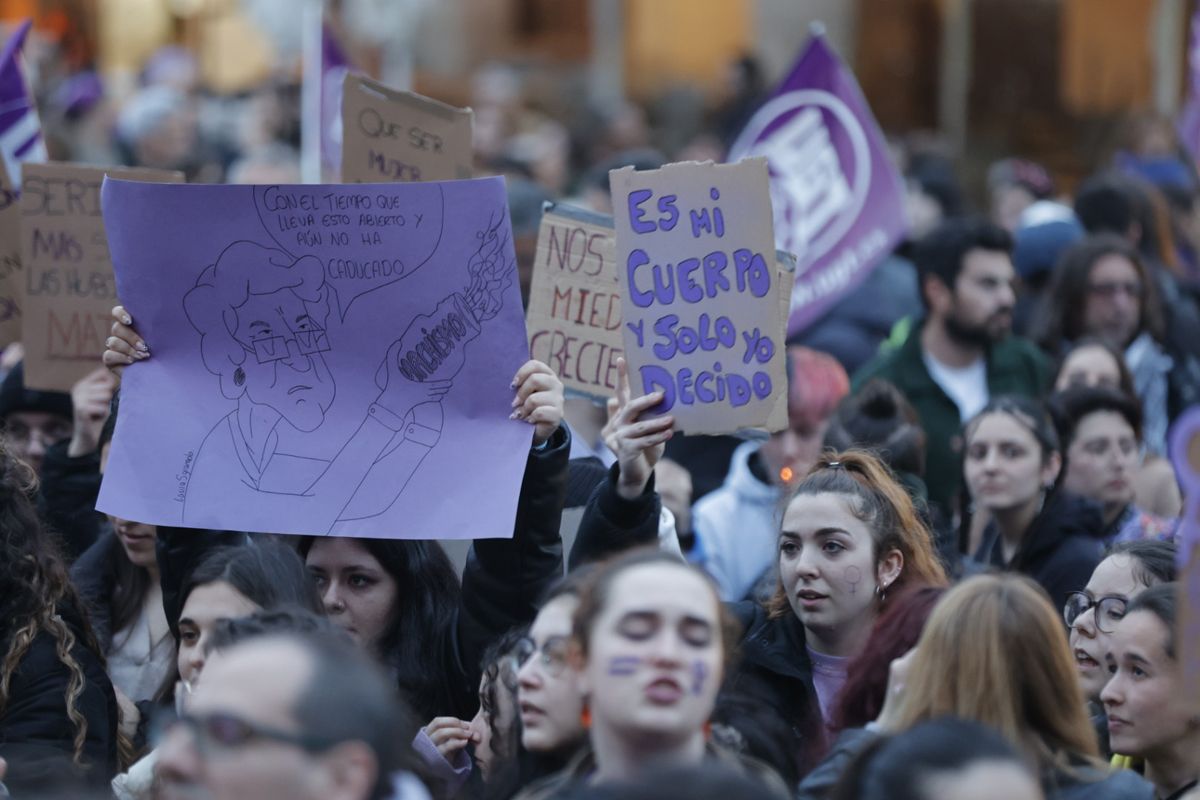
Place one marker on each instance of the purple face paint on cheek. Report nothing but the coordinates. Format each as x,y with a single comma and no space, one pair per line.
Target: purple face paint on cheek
699,676
623,665
852,576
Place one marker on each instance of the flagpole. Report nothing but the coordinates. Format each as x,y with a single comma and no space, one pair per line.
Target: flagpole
313,12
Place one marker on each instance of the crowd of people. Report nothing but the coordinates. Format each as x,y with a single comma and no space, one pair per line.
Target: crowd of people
954,574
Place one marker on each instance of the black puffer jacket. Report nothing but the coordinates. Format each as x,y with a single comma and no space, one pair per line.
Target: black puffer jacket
37,737
1061,549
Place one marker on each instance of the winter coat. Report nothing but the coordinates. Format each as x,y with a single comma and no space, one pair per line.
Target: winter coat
37,737
737,527
1062,547
1014,366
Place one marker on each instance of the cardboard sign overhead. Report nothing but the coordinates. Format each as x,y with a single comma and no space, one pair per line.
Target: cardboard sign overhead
69,289
389,135
10,260
701,296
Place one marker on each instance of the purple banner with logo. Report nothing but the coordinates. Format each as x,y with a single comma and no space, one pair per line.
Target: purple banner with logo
1189,115
20,129
838,200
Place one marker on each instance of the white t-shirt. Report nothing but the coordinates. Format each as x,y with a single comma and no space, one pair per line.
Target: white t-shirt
966,386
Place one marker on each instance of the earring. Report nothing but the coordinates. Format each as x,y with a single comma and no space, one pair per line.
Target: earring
585,716
881,592
239,376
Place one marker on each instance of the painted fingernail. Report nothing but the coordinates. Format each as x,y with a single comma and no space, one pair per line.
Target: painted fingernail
513,415
142,346
125,318
143,355
515,401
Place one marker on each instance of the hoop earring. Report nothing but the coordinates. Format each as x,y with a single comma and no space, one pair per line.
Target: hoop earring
881,592
239,376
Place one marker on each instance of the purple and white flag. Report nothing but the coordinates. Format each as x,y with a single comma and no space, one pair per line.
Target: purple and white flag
20,129
838,201
334,66
1189,115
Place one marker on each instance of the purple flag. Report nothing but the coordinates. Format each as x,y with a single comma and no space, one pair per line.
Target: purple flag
838,201
334,66
1189,115
327,359
20,130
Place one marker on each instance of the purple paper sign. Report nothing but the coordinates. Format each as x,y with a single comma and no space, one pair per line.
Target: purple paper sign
838,202
1189,115
326,359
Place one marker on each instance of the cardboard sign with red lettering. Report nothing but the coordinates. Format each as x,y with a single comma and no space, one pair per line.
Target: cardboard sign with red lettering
389,135
10,260
574,316
69,289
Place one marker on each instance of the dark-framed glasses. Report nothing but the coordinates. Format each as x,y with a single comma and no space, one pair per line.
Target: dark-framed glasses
224,731
1109,609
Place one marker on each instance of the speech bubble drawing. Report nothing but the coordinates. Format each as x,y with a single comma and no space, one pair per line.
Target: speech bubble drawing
393,230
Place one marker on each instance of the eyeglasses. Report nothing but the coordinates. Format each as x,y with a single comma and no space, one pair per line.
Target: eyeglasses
221,731
309,341
552,656
1113,288
1110,610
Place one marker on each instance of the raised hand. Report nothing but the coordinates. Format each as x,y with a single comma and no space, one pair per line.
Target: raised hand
449,735
637,443
539,399
90,399
126,345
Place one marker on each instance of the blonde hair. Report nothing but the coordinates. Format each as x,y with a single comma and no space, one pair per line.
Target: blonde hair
878,499
994,651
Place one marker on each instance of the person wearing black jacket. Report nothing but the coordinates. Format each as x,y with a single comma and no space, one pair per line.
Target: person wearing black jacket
1012,468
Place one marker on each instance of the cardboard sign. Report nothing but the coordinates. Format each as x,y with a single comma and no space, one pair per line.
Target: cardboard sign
701,306
388,135
1185,455
69,289
10,260
327,359
574,316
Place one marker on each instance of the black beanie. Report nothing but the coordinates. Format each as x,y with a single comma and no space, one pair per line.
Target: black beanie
15,397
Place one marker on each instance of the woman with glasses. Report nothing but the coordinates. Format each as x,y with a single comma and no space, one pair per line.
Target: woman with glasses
1153,715
1092,614
1103,287
1012,462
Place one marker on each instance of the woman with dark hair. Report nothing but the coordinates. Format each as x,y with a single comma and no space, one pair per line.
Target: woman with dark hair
1101,434
1093,363
58,712
1012,466
1152,714
1104,288
1092,614
939,759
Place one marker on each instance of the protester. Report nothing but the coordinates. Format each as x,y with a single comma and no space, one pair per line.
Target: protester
1104,288
1101,435
1152,715
1093,362
961,354
737,524
34,421
58,712
1092,614
1012,468
939,760
650,655
287,715
994,652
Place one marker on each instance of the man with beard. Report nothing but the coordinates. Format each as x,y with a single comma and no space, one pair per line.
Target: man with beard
961,354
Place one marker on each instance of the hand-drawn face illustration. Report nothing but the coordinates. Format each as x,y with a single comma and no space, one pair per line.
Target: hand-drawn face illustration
261,315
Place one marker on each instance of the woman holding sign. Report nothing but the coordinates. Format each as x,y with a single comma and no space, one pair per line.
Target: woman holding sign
850,539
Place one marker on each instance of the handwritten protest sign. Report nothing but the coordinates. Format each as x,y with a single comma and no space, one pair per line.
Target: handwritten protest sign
574,316
69,288
1185,454
388,135
10,260
326,359
701,296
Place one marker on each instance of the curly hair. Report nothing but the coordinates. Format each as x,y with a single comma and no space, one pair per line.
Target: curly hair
35,591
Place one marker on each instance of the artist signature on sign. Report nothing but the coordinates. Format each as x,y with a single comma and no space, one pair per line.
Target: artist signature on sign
184,476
